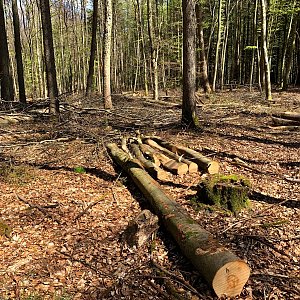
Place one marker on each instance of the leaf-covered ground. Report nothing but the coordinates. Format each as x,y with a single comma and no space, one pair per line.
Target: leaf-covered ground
51,172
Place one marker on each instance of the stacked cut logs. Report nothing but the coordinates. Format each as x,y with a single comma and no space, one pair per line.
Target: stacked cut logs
286,120
159,157
223,270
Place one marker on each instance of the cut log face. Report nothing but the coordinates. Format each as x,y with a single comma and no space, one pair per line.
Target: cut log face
149,151
224,272
204,163
192,167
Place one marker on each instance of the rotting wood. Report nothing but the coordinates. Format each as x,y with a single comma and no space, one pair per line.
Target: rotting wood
140,229
193,167
153,169
124,146
224,271
204,163
288,122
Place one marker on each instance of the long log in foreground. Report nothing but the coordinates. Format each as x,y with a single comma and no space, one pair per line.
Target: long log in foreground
288,122
204,163
224,271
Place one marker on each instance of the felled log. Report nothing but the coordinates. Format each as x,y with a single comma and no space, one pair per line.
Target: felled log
204,163
280,121
169,164
140,229
153,169
193,167
224,271
288,115
149,151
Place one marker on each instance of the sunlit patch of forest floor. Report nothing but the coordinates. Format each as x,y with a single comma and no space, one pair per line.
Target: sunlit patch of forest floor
52,171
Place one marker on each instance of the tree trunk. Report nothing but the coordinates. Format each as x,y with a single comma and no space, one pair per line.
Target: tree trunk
203,62
226,273
7,91
89,81
18,50
49,57
189,114
218,44
107,55
265,56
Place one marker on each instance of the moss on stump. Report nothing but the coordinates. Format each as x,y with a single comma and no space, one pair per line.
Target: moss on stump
227,191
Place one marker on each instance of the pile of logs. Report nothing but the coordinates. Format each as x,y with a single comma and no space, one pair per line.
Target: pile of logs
159,157
286,120
224,271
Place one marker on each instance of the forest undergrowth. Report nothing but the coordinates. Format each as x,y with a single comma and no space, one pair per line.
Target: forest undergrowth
64,203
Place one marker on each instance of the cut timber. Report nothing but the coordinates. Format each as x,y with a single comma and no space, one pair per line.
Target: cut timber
224,271
140,229
149,151
170,164
279,121
153,169
288,115
193,167
204,163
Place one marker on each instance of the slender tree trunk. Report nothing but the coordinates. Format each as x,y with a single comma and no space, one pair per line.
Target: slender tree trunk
107,55
49,57
218,44
267,72
18,50
289,55
7,91
154,50
89,81
203,62
254,39
189,114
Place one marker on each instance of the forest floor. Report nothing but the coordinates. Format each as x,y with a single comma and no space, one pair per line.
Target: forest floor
51,171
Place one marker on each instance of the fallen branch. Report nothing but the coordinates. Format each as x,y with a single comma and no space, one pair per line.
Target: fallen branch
288,115
225,272
38,207
287,122
87,208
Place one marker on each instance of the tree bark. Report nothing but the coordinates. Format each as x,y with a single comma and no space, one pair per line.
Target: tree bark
204,163
89,81
267,72
288,115
7,91
107,55
18,50
193,167
189,114
224,271
49,57
203,62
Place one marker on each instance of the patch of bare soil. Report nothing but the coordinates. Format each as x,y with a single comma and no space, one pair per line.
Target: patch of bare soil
52,172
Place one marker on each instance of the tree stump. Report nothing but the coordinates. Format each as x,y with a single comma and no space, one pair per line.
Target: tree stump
140,229
227,191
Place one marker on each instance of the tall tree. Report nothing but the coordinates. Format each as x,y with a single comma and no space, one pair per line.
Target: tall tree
18,50
89,82
107,55
49,57
7,92
203,63
189,114
265,55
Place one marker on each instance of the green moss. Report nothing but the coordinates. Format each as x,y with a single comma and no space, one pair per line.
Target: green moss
79,170
226,191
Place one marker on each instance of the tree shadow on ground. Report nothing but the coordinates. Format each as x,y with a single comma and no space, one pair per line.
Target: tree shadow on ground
293,203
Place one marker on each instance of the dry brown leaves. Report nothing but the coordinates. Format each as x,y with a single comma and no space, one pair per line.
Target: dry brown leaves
83,258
